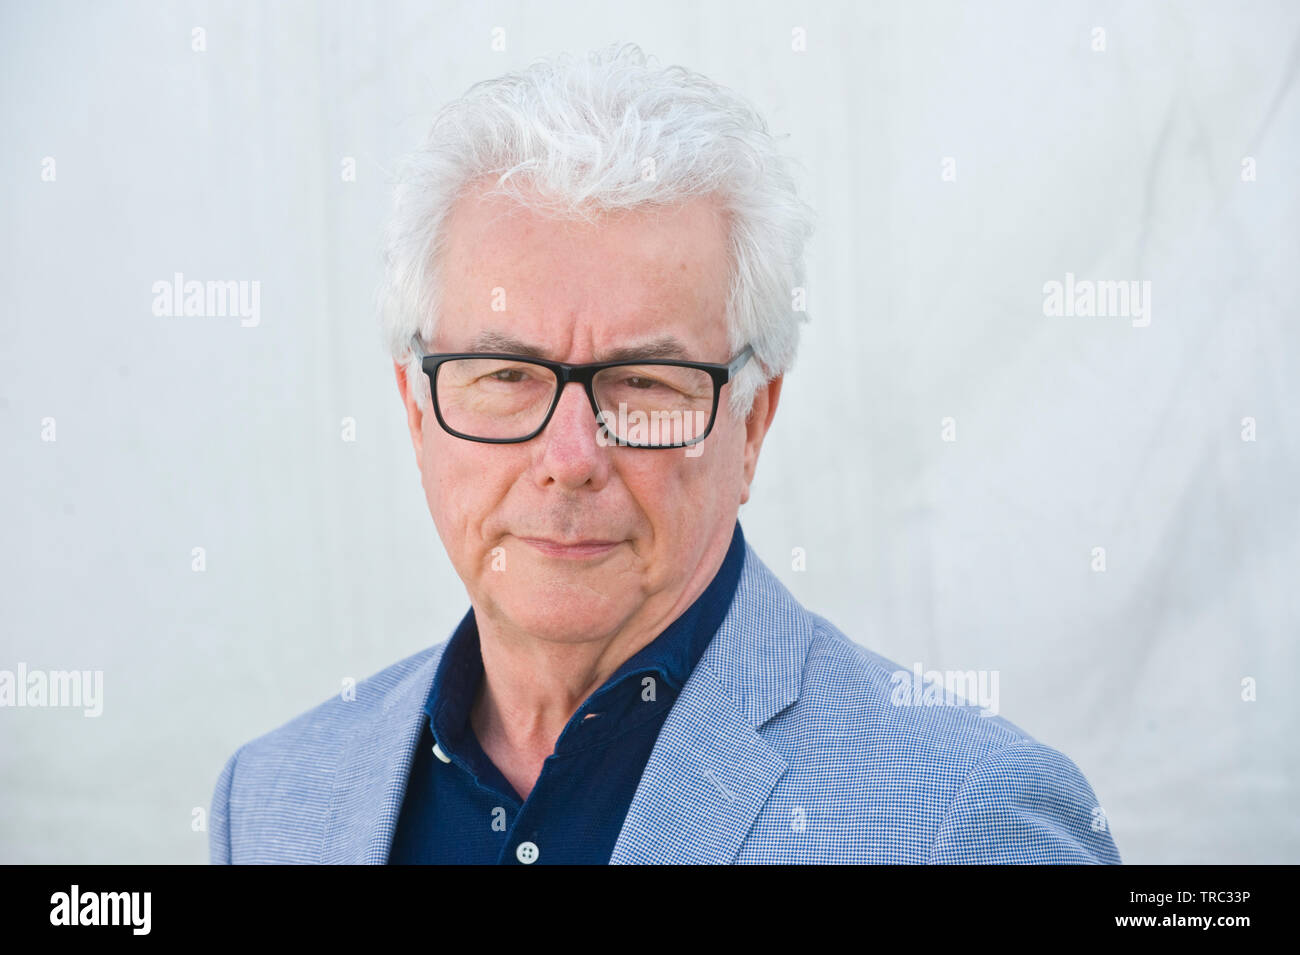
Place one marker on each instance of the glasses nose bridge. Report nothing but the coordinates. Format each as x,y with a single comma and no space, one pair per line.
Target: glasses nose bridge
581,375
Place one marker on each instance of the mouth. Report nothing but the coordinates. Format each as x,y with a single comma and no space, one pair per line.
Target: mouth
575,550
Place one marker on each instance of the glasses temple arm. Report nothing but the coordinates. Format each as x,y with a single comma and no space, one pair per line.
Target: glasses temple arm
739,361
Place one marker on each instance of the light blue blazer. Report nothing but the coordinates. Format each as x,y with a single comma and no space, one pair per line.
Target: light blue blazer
786,745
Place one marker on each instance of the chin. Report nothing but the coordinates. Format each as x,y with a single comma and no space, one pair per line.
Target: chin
564,613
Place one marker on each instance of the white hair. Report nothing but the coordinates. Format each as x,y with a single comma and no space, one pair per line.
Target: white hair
570,136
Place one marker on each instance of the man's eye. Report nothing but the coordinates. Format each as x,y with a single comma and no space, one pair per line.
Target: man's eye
640,384
506,372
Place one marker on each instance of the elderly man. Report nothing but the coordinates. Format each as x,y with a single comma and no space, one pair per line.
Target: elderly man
590,276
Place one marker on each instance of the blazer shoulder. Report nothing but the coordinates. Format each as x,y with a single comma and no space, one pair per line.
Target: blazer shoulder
309,741
327,719
926,761
271,798
842,677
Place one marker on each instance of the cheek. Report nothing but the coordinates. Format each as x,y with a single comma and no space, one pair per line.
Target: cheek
465,488
674,490
452,495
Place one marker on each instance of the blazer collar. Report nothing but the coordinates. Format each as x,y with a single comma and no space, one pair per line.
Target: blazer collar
708,775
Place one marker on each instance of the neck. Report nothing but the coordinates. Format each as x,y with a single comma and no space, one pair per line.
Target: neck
532,687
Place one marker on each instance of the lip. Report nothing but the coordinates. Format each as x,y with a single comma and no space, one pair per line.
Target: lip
578,550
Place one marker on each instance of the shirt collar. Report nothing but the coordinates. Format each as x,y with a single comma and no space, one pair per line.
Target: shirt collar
673,654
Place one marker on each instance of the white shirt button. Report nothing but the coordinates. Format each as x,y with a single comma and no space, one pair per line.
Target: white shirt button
437,751
527,852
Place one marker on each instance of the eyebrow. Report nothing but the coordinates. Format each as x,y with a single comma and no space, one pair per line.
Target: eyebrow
665,346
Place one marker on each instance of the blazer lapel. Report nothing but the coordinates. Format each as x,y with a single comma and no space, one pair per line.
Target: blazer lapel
372,776
710,772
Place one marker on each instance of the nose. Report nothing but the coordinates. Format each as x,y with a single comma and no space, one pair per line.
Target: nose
569,453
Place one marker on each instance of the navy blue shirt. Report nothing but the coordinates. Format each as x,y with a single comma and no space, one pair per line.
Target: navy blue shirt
459,809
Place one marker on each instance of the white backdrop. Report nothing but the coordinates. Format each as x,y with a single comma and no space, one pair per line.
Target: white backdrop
129,439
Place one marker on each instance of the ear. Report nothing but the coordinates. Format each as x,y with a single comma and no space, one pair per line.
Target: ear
756,425
414,413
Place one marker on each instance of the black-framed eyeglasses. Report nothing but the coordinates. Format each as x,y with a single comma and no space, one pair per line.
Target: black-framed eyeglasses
500,398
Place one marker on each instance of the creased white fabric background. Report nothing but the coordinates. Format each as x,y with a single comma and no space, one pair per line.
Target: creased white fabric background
925,302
